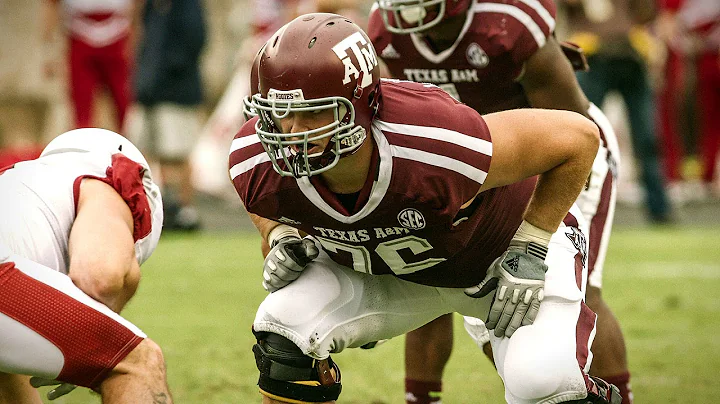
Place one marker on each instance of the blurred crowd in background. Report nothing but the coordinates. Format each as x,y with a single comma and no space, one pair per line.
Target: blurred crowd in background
171,75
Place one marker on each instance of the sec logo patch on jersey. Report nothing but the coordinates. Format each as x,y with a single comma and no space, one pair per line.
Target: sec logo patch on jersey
411,219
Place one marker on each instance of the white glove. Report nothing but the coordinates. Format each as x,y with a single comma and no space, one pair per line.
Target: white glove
58,391
518,276
286,260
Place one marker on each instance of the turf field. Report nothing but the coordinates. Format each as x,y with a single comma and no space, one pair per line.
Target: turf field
199,293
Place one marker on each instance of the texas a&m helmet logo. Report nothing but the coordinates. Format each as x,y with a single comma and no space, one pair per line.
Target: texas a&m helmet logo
476,56
579,242
411,219
364,55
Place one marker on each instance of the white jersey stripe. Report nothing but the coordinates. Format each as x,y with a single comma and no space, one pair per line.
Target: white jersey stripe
518,14
440,161
242,142
542,12
447,135
247,165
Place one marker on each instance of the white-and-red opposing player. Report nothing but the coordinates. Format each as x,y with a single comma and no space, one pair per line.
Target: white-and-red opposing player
496,55
99,36
76,224
398,179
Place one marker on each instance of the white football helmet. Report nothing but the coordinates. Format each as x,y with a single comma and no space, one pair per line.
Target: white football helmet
95,140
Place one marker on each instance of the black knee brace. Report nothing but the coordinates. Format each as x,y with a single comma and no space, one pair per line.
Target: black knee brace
288,374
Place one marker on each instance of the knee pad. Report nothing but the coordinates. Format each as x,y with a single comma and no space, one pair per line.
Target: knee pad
537,371
288,375
600,392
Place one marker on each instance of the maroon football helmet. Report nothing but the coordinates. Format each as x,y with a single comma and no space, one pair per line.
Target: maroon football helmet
408,16
316,62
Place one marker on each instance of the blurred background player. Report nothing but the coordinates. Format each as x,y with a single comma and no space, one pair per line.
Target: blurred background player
611,32
98,52
689,99
169,93
77,223
455,45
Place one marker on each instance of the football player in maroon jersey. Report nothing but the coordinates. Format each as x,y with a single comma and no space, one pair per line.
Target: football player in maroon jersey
495,55
460,213
76,225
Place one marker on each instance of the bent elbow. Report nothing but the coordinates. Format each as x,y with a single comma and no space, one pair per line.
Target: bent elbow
588,139
111,285
591,136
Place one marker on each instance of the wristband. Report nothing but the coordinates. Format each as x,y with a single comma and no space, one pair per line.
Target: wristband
281,231
532,234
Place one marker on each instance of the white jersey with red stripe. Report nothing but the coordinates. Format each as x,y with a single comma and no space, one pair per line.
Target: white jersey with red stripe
39,201
97,22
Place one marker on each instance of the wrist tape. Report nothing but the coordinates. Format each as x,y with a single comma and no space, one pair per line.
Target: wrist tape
530,233
534,239
280,232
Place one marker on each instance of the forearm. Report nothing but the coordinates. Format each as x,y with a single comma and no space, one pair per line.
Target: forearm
556,191
549,81
101,247
111,286
571,153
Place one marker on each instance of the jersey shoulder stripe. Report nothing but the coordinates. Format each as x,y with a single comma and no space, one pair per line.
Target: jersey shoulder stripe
246,152
437,160
479,145
242,142
516,13
543,11
440,147
247,165
535,17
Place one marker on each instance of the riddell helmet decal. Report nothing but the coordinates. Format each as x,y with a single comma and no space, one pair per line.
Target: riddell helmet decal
364,54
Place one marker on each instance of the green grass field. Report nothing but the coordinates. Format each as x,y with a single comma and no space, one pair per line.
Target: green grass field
199,294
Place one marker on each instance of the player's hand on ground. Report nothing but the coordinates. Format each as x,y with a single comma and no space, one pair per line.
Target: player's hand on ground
59,391
518,278
286,261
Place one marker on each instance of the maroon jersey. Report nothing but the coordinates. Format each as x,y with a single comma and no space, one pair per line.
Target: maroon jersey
413,218
482,67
